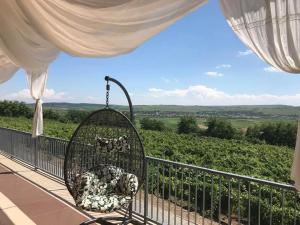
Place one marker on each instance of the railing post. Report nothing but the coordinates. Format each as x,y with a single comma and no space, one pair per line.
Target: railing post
146,192
35,152
11,145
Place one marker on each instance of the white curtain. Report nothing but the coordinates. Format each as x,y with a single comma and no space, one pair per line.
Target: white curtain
7,68
271,29
32,32
37,83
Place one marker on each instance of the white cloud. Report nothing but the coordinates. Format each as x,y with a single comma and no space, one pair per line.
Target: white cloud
196,91
191,95
203,95
214,74
272,69
226,66
244,53
24,95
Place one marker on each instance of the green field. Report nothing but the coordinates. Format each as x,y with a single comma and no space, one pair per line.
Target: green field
269,111
171,122
241,117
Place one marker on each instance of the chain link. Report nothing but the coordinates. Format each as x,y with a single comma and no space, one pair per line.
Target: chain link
107,94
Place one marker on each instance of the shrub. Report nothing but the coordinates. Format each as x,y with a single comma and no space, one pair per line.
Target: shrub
152,124
220,128
187,124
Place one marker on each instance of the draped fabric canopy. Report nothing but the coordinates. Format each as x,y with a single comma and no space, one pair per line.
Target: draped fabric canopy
33,32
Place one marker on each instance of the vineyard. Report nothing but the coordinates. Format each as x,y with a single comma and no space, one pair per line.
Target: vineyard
236,156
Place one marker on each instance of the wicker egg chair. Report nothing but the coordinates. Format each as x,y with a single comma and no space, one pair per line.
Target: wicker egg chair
104,163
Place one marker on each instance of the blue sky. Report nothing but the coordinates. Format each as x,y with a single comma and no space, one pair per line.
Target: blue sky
196,61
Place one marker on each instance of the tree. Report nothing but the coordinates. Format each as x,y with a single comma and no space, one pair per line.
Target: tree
274,133
221,128
253,132
51,114
15,109
187,124
152,124
76,116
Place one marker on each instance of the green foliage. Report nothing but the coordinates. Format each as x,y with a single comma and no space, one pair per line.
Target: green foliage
76,116
187,124
152,124
52,128
221,128
15,109
274,133
235,156
51,114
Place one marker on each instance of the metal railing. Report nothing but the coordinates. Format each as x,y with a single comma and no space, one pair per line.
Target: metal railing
177,193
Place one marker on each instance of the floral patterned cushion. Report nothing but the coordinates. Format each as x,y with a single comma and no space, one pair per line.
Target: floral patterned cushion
111,145
128,184
106,190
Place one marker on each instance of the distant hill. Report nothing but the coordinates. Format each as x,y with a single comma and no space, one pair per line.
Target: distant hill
241,111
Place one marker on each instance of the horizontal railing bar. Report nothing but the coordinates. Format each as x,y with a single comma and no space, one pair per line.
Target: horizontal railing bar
27,133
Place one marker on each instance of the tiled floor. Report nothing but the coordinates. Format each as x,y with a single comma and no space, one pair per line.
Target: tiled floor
28,198
50,197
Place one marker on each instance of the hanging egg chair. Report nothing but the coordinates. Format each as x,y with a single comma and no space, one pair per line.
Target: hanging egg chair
104,162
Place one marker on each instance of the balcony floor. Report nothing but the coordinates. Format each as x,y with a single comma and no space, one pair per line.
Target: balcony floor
28,198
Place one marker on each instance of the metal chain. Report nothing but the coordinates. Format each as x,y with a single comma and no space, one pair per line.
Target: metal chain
107,94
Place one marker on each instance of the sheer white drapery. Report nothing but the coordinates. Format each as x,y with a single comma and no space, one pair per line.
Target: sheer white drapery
32,32
271,29
37,83
7,68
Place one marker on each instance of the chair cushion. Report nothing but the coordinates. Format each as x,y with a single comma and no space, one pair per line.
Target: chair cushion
112,145
106,189
128,184
103,203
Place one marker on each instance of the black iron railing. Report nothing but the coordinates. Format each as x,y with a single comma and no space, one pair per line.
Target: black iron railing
177,193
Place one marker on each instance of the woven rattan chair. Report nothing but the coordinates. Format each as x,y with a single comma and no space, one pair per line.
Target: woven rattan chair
104,163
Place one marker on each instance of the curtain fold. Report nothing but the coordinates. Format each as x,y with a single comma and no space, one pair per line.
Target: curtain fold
32,33
103,28
271,29
7,68
37,82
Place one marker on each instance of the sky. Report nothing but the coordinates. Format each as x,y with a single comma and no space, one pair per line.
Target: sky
196,61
